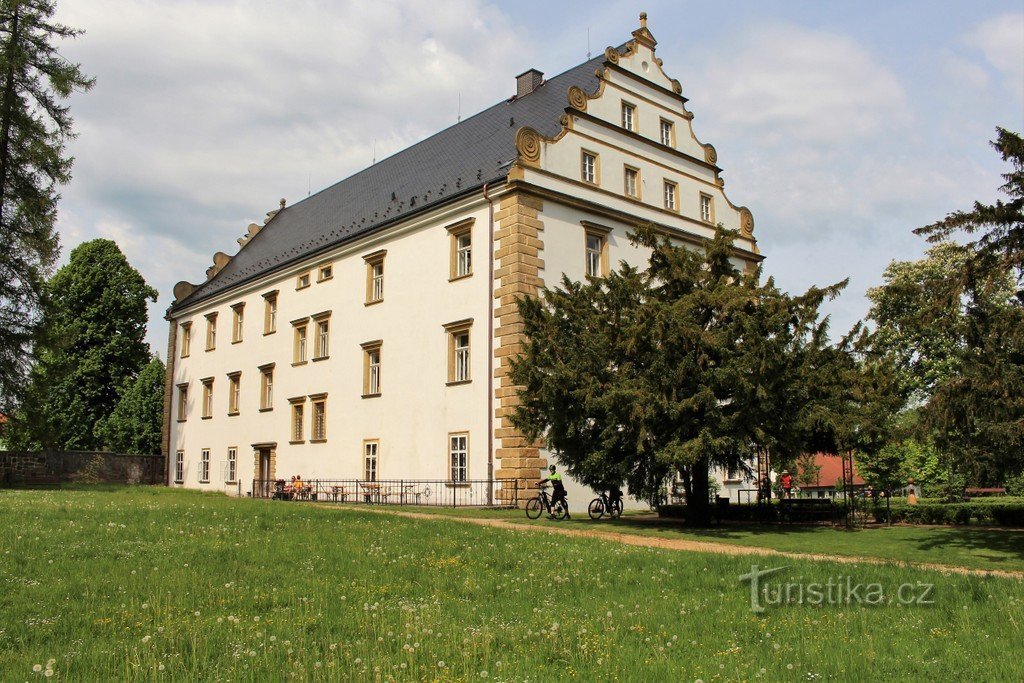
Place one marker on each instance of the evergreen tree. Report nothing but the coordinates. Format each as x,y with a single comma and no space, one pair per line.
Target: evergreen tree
687,365
35,125
97,326
135,424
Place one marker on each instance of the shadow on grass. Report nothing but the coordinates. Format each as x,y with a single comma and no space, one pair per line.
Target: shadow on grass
950,545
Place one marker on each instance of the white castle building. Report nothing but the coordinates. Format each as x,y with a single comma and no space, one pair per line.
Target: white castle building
364,333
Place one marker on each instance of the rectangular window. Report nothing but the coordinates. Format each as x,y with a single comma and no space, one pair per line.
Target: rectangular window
186,339
182,402
211,331
237,318
204,466
461,236
707,208
631,181
596,251
270,312
179,467
588,167
375,276
458,456
234,392
370,450
629,116
322,342
302,281
207,398
326,272
301,338
671,196
667,133
267,387
231,476
298,419
319,426
459,365
371,369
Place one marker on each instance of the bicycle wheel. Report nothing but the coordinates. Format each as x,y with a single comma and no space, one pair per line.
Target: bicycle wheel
534,507
615,509
596,509
561,510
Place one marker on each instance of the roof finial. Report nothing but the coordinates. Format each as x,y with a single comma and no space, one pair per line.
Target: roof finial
282,202
643,20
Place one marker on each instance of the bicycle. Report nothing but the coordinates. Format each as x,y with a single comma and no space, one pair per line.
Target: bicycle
602,505
537,505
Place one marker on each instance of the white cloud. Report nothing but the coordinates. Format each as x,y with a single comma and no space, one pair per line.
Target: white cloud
1001,41
801,85
206,113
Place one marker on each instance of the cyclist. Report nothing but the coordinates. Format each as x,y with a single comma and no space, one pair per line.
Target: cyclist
557,492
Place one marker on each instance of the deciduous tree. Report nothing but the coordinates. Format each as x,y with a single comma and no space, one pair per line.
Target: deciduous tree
136,422
96,325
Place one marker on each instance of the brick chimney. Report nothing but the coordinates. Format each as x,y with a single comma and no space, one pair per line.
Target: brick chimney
528,81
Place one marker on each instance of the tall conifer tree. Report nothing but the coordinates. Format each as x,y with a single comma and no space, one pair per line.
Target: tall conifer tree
35,126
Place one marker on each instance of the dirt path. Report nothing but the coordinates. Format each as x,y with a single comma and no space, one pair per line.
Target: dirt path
688,545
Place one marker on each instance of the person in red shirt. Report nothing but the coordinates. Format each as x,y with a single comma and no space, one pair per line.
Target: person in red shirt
787,483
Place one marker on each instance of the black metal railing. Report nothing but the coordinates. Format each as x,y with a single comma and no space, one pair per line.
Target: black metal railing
429,492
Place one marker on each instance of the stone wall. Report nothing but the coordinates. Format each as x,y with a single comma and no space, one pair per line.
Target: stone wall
49,467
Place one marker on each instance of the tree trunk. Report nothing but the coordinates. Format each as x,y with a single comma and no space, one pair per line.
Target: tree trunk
698,507
8,107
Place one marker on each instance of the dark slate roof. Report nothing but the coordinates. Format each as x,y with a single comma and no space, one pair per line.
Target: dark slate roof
454,162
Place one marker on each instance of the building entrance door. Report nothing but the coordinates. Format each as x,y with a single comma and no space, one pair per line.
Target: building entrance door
264,485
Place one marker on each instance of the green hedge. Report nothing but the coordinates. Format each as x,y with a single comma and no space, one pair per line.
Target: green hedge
985,511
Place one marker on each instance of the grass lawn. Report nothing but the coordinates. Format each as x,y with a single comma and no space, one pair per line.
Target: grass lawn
152,583
962,546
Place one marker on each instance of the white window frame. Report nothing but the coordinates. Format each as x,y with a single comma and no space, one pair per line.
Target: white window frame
631,181
322,344
667,129
204,466
464,254
207,397
458,457
234,392
267,387
232,469
629,116
237,323
270,312
297,422
371,460
670,194
179,467
589,169
318,419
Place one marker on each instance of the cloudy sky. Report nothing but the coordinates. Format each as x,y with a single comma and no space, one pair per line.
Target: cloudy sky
842,127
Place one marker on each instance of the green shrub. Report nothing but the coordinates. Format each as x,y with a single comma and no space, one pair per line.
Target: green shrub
982,511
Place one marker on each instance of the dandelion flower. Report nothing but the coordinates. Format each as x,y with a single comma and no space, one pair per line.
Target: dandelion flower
145,639
48,673
37,667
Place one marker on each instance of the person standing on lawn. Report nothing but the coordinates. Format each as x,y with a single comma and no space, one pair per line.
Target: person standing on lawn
557,492
787,484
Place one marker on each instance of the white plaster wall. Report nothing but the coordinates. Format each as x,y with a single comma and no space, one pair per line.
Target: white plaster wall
416,411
